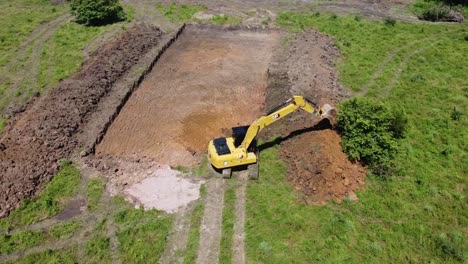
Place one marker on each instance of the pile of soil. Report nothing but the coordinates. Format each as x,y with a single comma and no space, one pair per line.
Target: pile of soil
318,167
310,148
47,132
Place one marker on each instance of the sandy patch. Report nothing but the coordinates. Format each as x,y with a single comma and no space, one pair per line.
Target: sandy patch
165,190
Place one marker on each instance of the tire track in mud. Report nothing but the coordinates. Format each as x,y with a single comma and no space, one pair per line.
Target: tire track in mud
238,247
392,55
178,237
210,230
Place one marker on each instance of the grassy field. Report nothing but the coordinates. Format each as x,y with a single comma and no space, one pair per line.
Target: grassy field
418,215
140,235
62,55
31,62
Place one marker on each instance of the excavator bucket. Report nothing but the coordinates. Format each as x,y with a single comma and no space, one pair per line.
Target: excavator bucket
328,112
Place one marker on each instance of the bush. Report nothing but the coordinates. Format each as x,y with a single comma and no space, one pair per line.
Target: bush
390,21
442,12
370,131
97,12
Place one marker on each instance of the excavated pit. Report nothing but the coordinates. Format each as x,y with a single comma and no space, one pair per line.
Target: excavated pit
209,80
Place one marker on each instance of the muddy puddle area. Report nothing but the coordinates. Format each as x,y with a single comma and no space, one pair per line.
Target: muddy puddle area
208,81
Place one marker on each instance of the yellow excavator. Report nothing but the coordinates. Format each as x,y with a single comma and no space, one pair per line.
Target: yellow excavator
241,150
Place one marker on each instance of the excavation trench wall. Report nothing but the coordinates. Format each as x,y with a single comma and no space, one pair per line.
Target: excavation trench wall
108,110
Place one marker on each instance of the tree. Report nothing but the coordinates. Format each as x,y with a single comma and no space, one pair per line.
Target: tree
97,12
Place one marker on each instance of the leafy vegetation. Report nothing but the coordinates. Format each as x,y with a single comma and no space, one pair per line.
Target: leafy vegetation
97,12
53,199
179,12
225,254
370,131
95,189
434,10
418,215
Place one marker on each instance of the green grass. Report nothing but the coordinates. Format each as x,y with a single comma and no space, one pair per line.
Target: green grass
194,233
65,230
98,250
199,170
62,55
225,20
21,240
64,256
95,189
19,19
179,12
49,202
225,254
3,123
142,234
417,215
364,44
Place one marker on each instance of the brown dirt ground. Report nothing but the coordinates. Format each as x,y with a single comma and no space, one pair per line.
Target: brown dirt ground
47,131
211,78
315,162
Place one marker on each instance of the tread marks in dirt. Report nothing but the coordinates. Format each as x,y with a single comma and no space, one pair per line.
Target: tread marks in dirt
47,132
312,153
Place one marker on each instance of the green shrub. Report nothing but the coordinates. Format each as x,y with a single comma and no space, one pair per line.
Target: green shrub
370,131
390,22
442,12
97,12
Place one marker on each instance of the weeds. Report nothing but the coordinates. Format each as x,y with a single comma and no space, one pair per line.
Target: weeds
179,12
224,20
194,233
95,189
65,230
225,254
390,21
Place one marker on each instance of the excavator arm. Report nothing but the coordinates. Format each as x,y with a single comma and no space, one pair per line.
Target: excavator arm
284,109
225,153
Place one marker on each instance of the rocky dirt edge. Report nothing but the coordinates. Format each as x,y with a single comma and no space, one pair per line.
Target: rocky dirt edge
48,130
315,163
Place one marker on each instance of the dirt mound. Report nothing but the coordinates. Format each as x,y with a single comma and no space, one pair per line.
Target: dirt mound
47,131
318,167
311,150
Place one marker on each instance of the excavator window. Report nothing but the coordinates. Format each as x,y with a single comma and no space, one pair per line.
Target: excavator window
221,146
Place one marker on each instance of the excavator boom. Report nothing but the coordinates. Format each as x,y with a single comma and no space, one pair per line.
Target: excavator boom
235,151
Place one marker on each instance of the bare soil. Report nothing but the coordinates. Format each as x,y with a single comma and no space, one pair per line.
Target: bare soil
47,131
209,80
318,167
311,150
